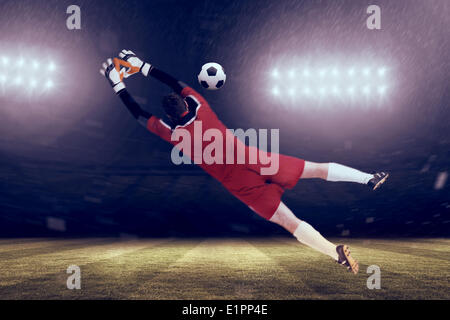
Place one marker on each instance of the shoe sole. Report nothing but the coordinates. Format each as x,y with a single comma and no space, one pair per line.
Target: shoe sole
381,182
353,264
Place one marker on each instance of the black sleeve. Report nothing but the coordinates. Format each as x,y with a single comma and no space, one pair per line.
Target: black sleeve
176,85
135,109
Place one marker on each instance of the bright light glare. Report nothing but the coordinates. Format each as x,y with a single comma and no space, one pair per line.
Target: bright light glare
275,91
366,90
382,90
275,73
291,74
335,90
381,71
49,84
21,73
335,72
330,83
51,66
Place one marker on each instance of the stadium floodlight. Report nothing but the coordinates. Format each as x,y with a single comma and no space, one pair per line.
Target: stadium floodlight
366,72
291,74
335,72
18,80
275,73
49,84
51,66
351,90
382,71
351,72
335,90
366,90
322,91
322,72
275,91
333,83
306,90
20,63
20,71
382,90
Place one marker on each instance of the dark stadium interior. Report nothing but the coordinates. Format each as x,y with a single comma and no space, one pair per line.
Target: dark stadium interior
75,163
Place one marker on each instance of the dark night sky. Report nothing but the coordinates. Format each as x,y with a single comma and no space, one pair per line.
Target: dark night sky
73,162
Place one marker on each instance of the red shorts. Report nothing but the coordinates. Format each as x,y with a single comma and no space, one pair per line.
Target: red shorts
263,193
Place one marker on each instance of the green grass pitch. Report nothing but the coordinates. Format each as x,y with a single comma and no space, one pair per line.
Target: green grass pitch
230,268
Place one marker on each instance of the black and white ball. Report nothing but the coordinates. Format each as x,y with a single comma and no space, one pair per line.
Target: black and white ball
212,76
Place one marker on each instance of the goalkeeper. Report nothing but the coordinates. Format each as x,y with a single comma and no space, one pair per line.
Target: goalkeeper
261,193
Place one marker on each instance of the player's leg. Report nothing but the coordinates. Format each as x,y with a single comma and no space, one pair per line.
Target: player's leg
307,235
303,231
334,172
338,172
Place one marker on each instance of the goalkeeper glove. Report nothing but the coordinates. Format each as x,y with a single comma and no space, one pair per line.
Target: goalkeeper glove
114,73
135,64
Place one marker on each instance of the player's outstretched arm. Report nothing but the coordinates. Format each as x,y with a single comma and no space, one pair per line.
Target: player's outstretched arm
167,79
110,71
135,65
135,109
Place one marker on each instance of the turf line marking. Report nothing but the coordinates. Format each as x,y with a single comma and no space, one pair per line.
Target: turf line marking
219,269
296,280
35,266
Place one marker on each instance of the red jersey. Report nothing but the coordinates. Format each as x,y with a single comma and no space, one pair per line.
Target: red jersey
200,119
245,181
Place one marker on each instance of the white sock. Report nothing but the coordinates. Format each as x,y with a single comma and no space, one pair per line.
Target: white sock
338,172
306,234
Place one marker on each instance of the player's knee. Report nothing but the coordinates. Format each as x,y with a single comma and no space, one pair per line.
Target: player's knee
321,170
284,217
325,167
315,170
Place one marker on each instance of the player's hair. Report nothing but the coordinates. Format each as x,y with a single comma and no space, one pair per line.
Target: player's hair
174,105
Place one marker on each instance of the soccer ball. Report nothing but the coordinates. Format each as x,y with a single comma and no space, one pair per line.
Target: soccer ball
212,76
